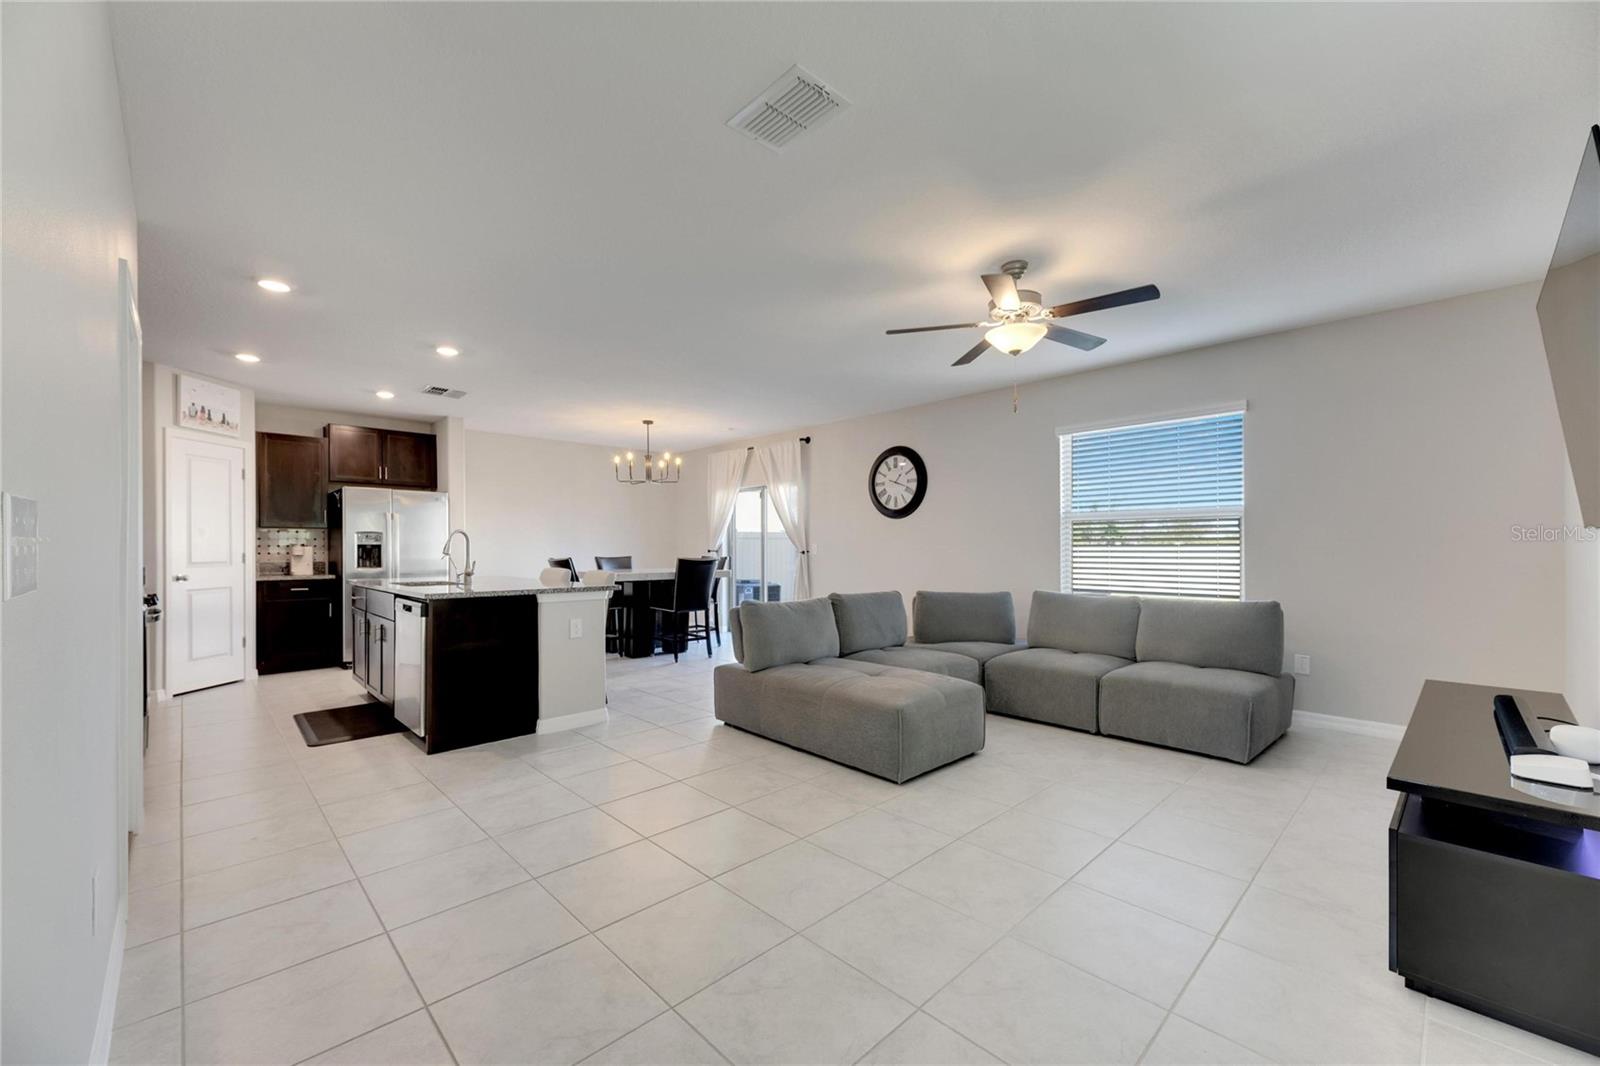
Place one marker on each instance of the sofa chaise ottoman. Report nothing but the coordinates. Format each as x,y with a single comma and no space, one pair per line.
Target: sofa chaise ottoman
790,685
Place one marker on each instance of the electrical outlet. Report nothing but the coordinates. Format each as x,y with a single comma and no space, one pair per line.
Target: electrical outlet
19,520
1302,665
575,628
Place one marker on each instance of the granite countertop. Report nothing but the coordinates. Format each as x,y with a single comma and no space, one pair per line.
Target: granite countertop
297,577
481,586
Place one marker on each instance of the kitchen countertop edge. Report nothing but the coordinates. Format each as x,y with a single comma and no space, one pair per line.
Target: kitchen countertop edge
481,587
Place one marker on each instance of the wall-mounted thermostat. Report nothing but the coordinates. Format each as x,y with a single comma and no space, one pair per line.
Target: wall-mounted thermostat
19,517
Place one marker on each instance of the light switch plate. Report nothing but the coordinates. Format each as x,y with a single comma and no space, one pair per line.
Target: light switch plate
574,628
19,518
1302,665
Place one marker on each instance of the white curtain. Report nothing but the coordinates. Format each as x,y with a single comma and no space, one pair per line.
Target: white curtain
784,467
724,475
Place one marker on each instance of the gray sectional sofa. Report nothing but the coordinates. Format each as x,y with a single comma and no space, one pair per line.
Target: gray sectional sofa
1200,675
838,676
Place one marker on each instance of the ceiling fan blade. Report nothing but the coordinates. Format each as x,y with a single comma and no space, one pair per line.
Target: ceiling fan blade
977,350
1003,291
931,329
1084,342
1110,299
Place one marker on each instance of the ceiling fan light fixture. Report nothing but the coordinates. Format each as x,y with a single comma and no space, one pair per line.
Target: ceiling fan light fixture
1014,338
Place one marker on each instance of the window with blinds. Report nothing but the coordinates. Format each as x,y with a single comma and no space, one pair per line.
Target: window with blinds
1155,509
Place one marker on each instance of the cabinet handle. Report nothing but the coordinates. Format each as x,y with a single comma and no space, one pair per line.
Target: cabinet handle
301,588
330,610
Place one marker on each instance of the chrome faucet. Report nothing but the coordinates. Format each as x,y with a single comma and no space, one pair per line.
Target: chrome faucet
466,574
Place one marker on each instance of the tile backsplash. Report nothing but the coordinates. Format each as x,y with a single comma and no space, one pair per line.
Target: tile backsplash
272,549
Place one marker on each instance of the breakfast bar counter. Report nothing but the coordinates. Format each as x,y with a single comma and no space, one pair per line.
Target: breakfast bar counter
464,663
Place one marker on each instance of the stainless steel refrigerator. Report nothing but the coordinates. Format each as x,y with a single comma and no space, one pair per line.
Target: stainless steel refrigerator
385,533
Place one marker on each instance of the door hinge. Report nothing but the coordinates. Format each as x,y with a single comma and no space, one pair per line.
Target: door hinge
242,644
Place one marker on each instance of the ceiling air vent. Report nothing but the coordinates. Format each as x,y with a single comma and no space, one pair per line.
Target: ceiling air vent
440,390
793,104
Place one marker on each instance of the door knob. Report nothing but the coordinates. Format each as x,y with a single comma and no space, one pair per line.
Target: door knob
180,577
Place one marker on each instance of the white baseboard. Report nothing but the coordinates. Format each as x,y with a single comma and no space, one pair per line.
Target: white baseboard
1363,726
101,1050
571,721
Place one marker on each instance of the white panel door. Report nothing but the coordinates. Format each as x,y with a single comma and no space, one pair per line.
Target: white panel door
205,564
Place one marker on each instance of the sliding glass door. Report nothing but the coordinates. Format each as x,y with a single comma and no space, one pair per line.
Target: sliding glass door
759,551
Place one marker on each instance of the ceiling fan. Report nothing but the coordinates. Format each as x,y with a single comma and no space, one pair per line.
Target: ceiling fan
1018,318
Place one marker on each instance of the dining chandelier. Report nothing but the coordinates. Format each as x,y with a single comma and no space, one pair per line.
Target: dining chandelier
658,470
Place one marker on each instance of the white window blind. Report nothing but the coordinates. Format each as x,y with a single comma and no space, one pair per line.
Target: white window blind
1155,509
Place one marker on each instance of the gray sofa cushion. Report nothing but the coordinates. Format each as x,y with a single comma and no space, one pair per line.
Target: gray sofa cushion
916,657
1218,633
941,617
868,620
1048,685
887,721
1071,621
981,650
774,634
1233,714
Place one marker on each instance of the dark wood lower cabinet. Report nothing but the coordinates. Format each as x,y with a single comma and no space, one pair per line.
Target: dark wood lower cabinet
297,625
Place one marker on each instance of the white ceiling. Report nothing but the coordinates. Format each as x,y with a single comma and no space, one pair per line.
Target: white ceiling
552,188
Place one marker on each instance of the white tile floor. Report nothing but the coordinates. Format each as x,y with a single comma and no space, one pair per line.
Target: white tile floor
663,889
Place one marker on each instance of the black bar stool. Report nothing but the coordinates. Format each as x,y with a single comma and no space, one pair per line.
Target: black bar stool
691,594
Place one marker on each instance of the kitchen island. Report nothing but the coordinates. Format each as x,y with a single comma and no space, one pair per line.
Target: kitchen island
466,663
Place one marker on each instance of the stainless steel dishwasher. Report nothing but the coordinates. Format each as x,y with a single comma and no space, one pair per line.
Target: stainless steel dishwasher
410,665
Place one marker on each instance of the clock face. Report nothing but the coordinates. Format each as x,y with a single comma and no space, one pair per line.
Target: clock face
897,482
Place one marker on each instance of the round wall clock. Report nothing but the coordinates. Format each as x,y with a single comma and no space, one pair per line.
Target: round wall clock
897,482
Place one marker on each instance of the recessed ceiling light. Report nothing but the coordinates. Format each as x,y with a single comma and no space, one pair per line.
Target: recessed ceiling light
385,394
275,285
247,357
448,351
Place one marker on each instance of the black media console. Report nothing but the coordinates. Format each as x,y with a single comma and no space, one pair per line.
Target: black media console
1494,883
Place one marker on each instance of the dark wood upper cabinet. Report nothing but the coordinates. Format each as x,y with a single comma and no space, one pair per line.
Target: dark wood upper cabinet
360,455
410,460
355,455
291,481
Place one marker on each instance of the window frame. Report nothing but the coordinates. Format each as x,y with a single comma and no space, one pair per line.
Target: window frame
1064,434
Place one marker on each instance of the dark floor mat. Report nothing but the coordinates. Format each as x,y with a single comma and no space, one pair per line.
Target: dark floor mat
358,722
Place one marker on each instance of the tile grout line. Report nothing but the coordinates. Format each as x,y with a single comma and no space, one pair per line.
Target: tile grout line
1216,937
747,760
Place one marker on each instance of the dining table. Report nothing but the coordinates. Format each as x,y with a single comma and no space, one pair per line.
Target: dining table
641,630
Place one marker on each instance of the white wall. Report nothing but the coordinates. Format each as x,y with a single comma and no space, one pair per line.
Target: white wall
451,434
308,421
532,499
1386,459
1582,555
161,423
67,217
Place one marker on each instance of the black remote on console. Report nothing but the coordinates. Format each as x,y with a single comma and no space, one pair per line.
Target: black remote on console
1514,734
